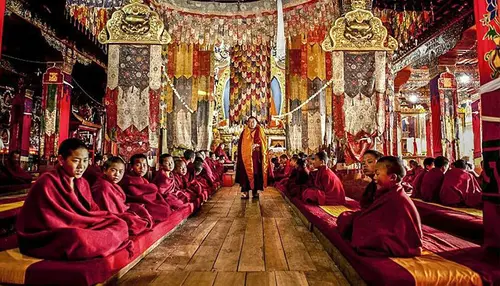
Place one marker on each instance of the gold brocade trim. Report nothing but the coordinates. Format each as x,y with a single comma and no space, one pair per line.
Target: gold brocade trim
316,67
432,269
13,266
135,23
328,100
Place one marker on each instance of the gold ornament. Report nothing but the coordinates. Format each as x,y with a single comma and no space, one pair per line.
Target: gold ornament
359,30
135,23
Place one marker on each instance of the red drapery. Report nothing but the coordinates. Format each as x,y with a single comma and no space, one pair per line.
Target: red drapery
486,16
2,14
428,136
64,104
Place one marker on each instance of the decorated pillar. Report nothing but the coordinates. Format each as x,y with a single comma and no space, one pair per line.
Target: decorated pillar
476,128
135,35
53,80
21,115
448,100
436,119
361,50
488,43
64,103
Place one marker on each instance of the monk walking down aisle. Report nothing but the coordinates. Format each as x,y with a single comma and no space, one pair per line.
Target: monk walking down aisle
252,166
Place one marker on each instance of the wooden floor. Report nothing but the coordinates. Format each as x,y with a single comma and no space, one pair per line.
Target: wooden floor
239,242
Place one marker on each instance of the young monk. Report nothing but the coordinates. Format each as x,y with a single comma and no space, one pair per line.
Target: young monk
414,171
297,182
285,170
417,183
283,182
182,180
326,188
460,188
219,151
208,170
390,226
139,190
433,180
370,159
59,219
109,196
166,184
189,157
202,178
94,171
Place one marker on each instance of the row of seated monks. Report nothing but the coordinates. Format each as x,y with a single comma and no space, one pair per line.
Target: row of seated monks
67,217
387,222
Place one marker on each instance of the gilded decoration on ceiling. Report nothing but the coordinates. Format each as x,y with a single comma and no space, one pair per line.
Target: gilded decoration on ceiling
359,30
135,23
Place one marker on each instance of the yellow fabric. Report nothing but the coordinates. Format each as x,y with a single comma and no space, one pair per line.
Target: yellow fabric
432,269
195,93
335,211
246,153
470,211
13,266
328,100
10,206
315,62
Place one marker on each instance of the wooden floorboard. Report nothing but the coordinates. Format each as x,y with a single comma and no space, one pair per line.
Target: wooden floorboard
230,241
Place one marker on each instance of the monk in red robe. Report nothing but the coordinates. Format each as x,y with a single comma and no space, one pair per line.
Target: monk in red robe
139,190
59,219
191,189
94,171
165,182
325,188
285,170
460,188
219,151
208,170
417,183
217,165
369,163
201,177
433,180
252,164
391,225
415,170
189,157
297,182
13,173
109,196
291,164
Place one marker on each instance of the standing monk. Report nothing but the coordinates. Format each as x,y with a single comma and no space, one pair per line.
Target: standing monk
252,163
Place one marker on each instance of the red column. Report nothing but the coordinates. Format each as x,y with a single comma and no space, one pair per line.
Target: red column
428,135
64,103
21,122
26,128
476,127
437,147
487,31
2,15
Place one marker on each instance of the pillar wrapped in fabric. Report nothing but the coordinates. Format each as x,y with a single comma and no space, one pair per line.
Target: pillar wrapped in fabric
359,78
488,35
134,77
53,80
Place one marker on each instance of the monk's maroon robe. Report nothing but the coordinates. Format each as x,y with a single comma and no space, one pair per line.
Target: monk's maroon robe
220,152
390,226
110,197
139,190
191,190
460,188
60,223
412,174
417,184
326,189
283,173
92,174
204,181
168,189
431,185
14,174
368,195
209,174
297,182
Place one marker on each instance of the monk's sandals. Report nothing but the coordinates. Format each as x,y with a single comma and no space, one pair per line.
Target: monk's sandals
244,196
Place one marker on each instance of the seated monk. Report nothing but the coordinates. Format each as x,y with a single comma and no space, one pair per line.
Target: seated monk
208,170
139,190
282,183
189,157
219,151
165,182
433,180
460,188
326,188
285,169
94,171
109,196
217,165
369,162
390,226
191,189
201,177
415,170
13,173
297,182
417,182
59,219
